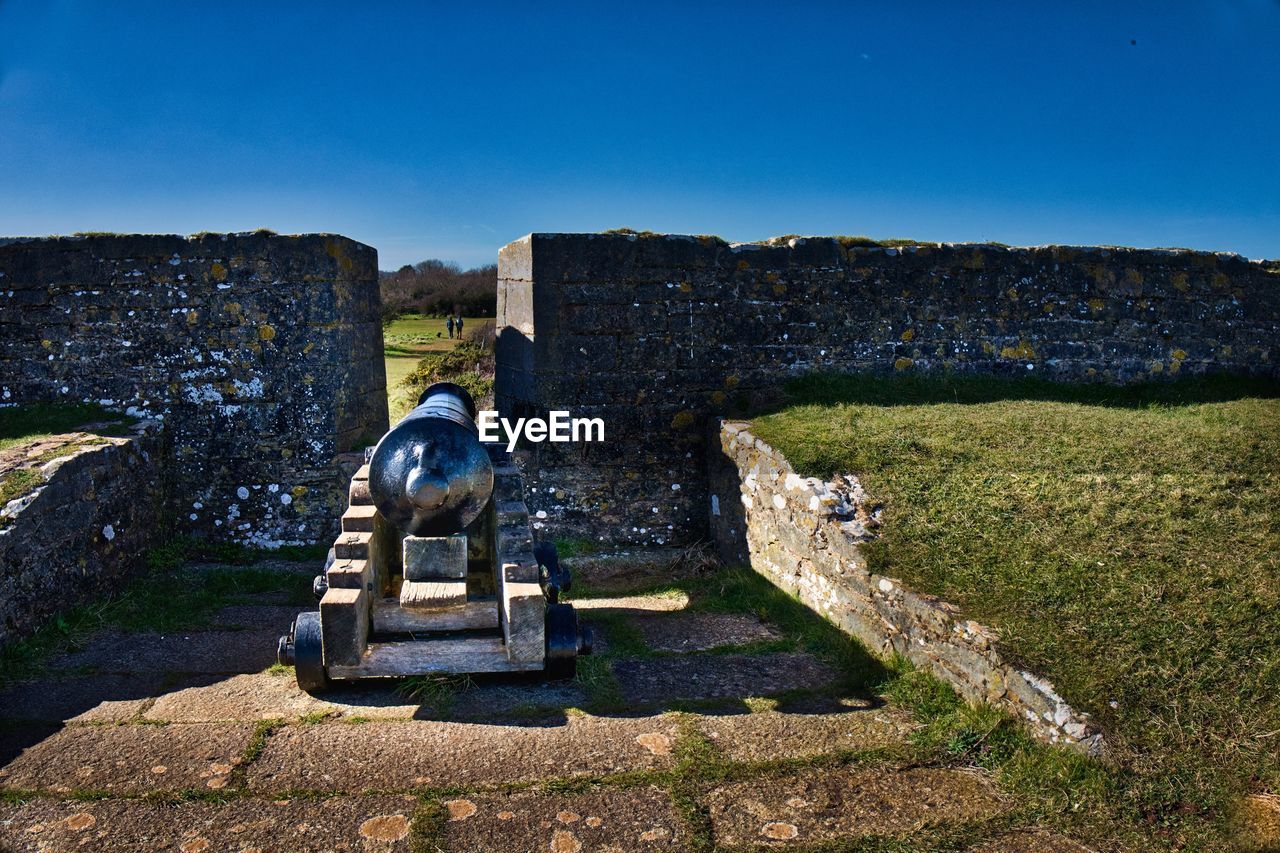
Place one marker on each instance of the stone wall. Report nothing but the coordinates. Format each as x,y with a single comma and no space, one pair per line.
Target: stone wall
805,536
261,354
655,334
81,531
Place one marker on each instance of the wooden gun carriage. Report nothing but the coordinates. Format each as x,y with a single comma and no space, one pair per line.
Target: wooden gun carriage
436,570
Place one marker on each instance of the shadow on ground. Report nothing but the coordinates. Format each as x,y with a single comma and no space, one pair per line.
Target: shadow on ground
718,711
719,643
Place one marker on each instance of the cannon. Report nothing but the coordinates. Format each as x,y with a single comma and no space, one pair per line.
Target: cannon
435,570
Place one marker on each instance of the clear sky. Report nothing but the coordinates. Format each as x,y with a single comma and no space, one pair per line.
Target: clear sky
434,131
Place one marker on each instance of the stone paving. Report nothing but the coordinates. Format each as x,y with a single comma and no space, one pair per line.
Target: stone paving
191,741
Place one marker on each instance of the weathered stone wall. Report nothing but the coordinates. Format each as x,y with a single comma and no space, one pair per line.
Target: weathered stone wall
656,333
81,532
261,354
804,535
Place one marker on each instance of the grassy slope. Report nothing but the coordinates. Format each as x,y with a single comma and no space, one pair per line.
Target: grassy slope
20,424
1124,541
405,342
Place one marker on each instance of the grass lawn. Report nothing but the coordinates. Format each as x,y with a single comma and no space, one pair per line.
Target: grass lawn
398,367
412,335
1124,542
21,424
407,341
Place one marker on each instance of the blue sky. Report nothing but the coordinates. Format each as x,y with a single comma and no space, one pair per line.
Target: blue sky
446,131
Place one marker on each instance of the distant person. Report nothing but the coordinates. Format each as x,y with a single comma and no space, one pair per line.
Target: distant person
449,323
459,327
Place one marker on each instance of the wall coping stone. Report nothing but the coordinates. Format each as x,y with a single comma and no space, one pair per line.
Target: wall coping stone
1103,251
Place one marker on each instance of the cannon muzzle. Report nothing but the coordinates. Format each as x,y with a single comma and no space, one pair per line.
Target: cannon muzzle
430,476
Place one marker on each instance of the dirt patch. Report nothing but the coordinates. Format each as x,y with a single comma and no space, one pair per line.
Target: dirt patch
1258,822
634,569
696,632
258,617
190,651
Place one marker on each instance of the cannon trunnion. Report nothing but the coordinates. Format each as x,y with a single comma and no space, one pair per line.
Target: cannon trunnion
435,570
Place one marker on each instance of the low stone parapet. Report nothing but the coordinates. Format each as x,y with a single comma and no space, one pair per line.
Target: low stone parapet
806,536
78,529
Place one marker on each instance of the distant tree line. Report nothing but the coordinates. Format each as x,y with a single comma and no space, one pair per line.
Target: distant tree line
437,288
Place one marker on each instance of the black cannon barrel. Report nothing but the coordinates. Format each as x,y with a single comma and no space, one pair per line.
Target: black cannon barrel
429,475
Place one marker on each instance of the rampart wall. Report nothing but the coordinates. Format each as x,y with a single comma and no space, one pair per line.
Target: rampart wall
260,354
655,334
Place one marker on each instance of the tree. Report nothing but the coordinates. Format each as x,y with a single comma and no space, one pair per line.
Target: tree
436,287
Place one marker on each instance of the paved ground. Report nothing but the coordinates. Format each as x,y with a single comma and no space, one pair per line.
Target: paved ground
692,730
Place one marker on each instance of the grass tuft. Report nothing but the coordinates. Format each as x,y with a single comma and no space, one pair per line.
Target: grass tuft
21,424
437,692
262,732
427,826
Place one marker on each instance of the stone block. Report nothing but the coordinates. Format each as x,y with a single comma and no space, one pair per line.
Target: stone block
415,753
818,806
335,823
127,759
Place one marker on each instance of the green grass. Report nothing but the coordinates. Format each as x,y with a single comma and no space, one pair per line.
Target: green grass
577,547
21,424
414,334
407,341
18,482
467,364
437,692
178,550
398,367
1123,541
